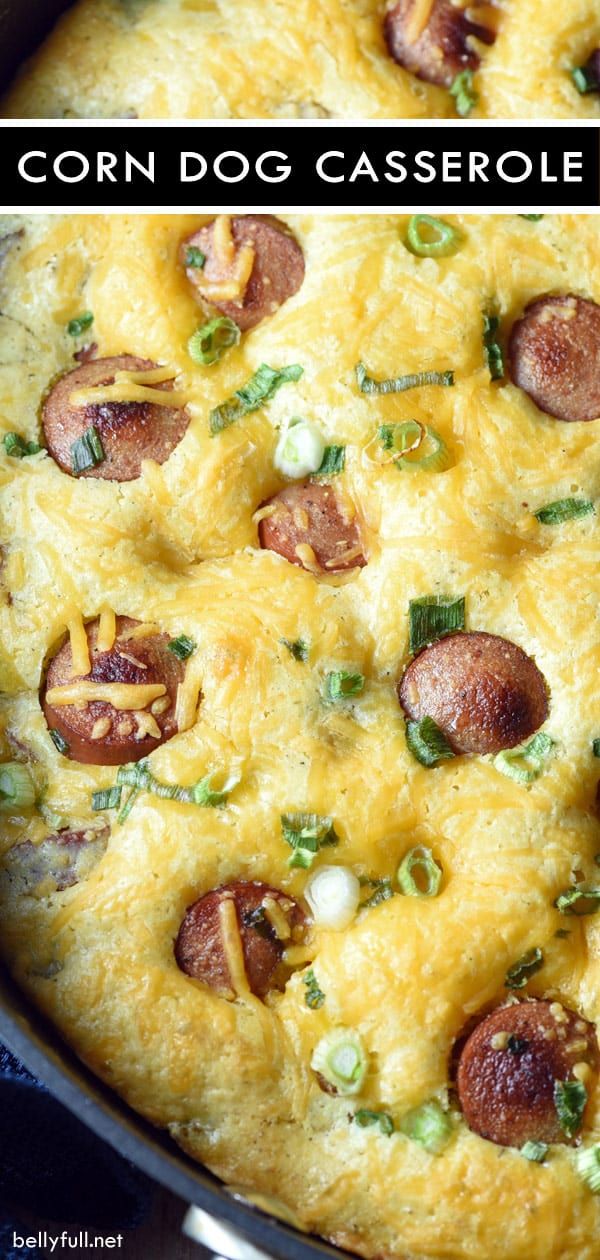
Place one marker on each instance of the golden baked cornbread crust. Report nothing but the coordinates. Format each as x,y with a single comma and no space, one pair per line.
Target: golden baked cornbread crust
433,987
315,59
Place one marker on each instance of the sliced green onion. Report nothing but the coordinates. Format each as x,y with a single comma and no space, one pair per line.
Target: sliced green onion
587,78
422,862
587,1163
533,218
333,461
596,747
579,901
17,447
398,384
428,1125
382,892
340,1057
446,239
128,805
261,387
139,777
182,647
333,894
59,743
535,1151
432,616
107,798
492,351
204,794
300,449
364,1119
427,742
194,258
306,834
17,789
419,446
209,343
298,648
340,685
314,996
57,822
87,451
521,971
563,510
525,764
80,324
464,93
570,1098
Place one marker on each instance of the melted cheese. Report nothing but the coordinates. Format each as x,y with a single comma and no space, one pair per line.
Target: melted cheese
232,946
131,387
80,652
409,973
307,59
107,629
119,695
418,19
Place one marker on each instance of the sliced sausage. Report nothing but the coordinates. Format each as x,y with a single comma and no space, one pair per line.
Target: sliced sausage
97,733
58,862
129,431
554,355
483,691
277,269
509,1065
443,48
200,948
309,527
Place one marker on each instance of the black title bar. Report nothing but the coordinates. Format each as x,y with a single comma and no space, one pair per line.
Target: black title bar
317,165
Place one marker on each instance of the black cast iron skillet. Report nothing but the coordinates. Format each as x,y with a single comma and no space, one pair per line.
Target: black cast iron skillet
23,25
33,1040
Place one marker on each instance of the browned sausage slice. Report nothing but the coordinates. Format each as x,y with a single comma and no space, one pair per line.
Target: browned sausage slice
129,431
443,48
58,862
554,354
265,266
201,946
309,527
98,733
483,691
509,1065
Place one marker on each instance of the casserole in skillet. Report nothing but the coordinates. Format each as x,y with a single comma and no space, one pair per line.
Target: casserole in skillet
299,656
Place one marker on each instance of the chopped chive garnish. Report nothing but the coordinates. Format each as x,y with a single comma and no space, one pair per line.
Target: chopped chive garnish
428,1125
209,343
107,798
58,741
182,647
382,892
521,971
587,1162
427,742
17,789
587,78
17,447
492,351
254,394
564,510
464,93
128,805
314,996
398,384
139,777
535,1151
340,1057
432,616
442,239
340,685
194,257
419,862
418,446
306,834
570,1098
533,218
364,1119
578,901
525,764
596,747
298,648
80,324
333,461
87,451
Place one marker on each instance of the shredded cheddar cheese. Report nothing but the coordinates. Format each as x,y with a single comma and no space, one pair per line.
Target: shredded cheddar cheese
232,946
106,630
119,695
80,652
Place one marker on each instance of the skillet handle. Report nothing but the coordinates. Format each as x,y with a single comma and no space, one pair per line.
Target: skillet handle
220,1238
